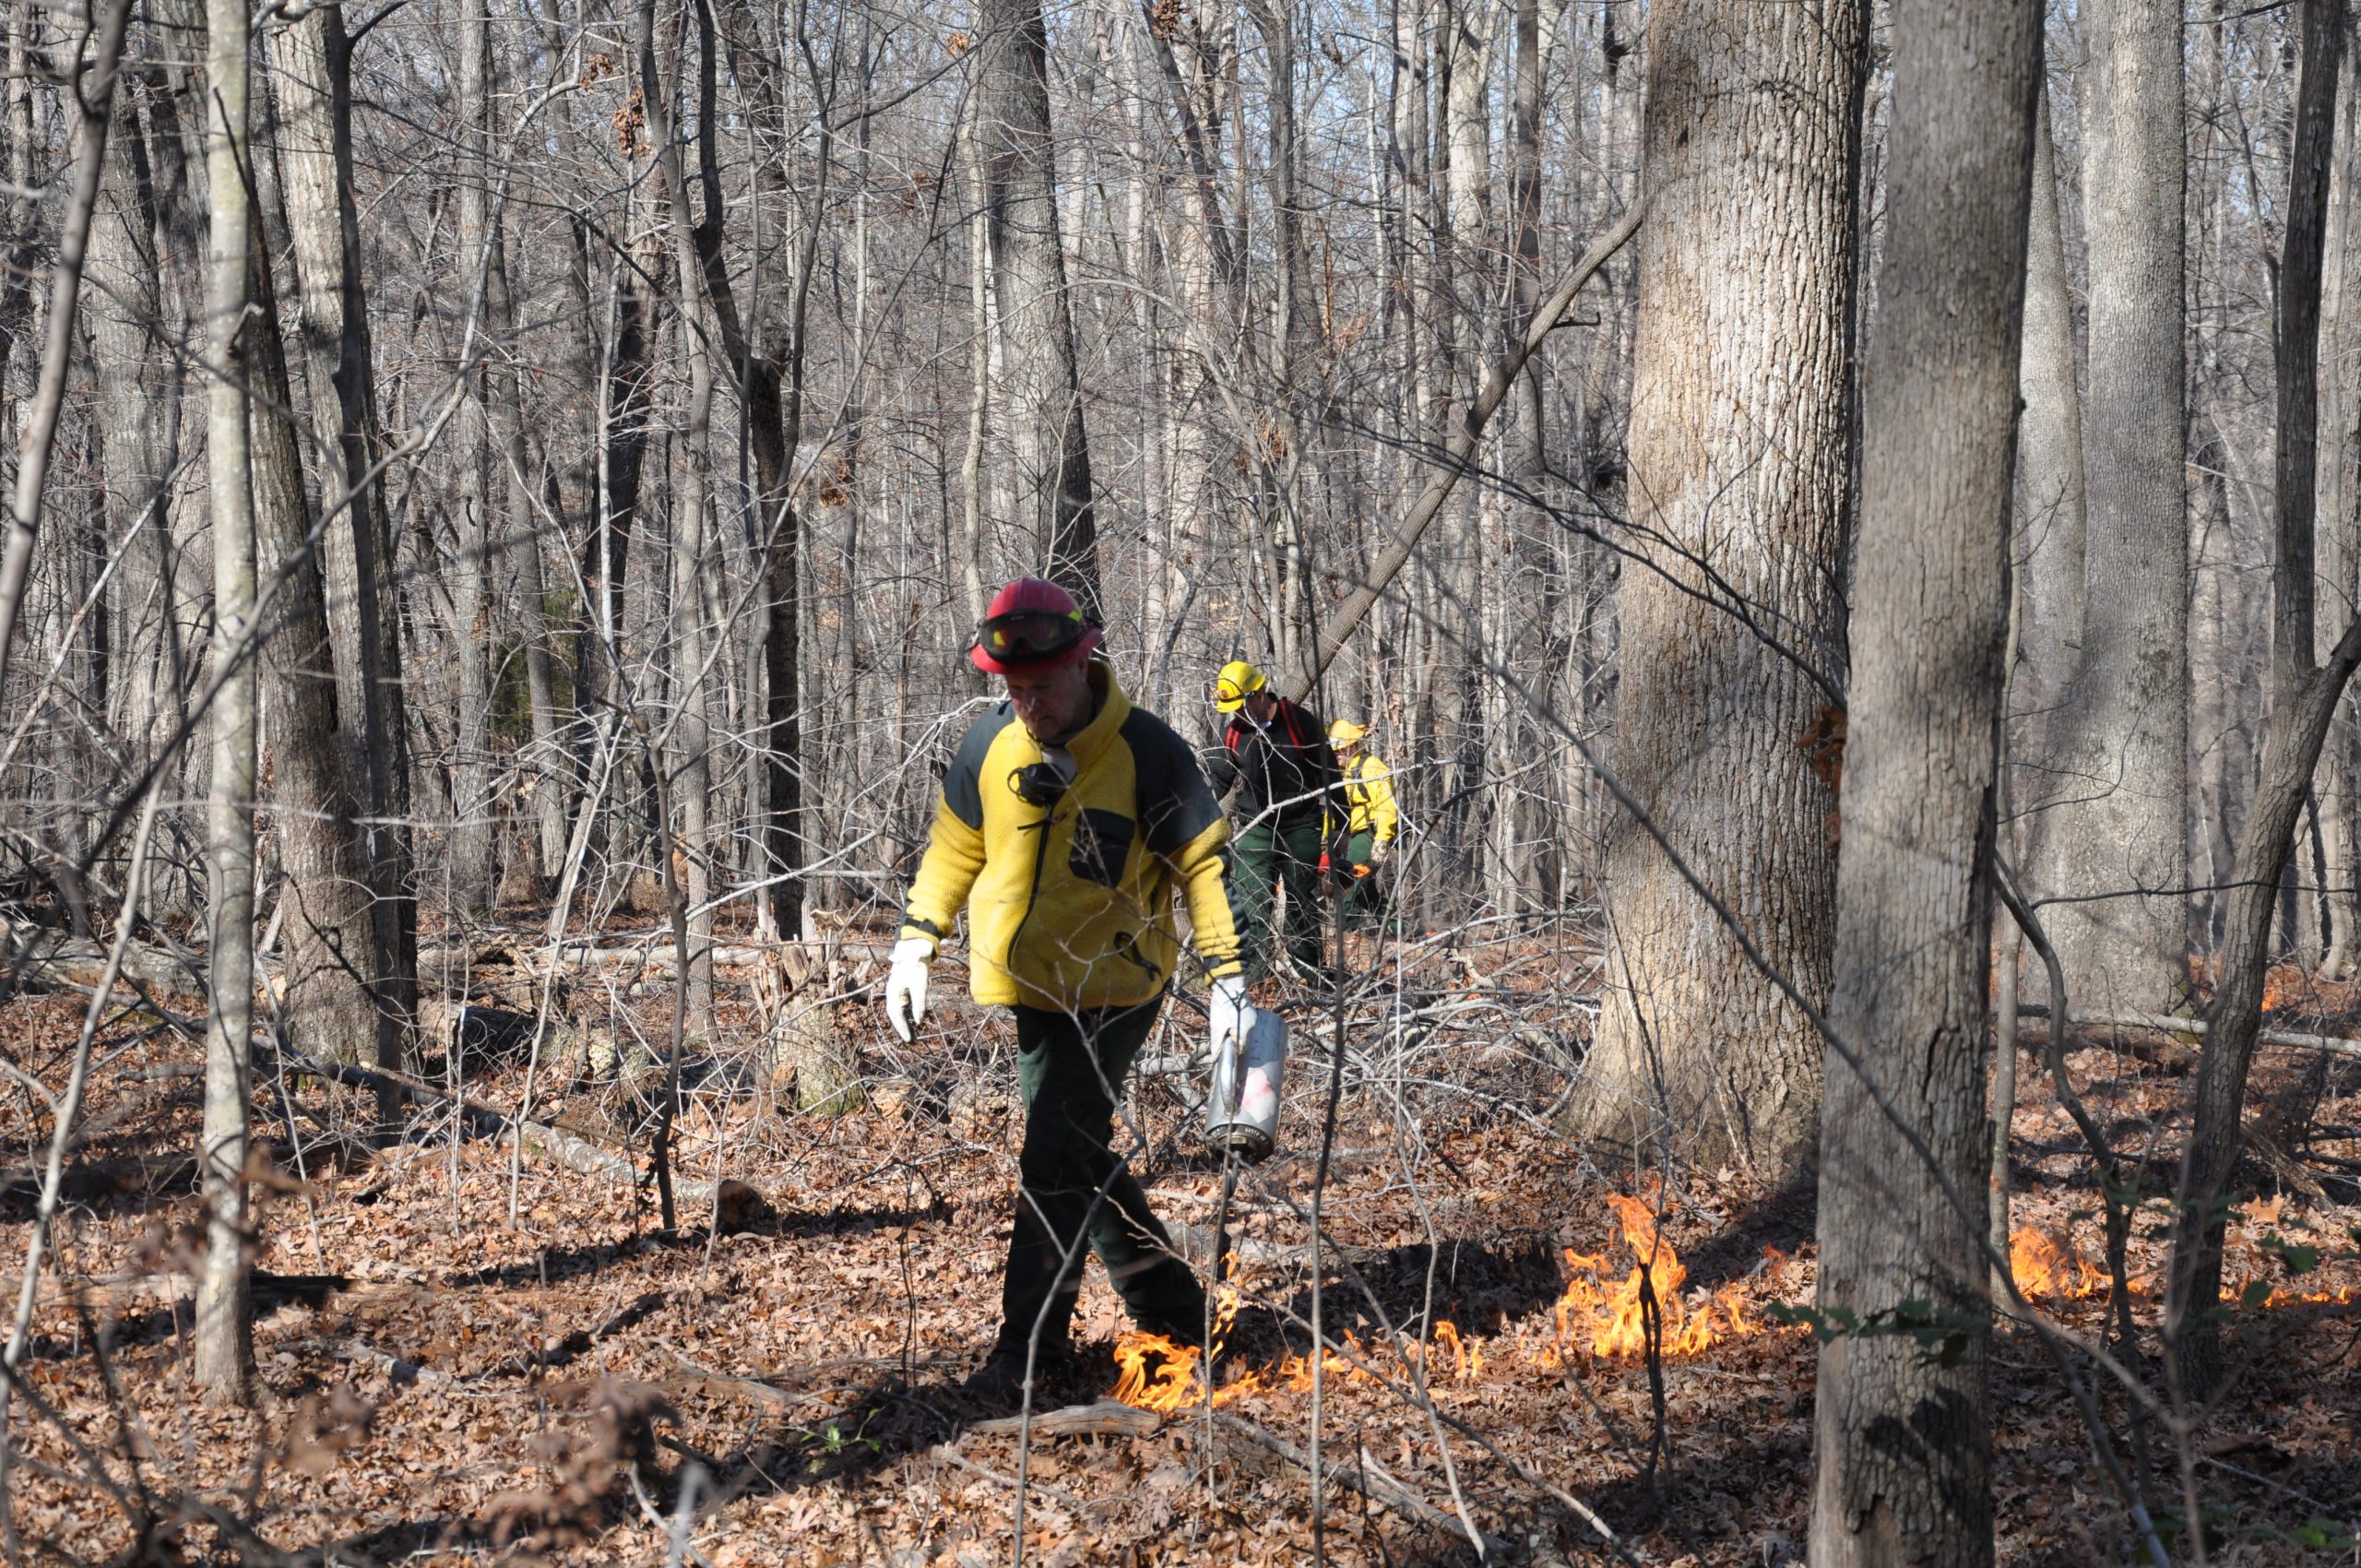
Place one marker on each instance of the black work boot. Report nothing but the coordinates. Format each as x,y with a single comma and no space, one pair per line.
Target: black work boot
1001,1380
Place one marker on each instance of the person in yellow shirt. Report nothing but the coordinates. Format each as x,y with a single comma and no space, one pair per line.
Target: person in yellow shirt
1067,824
1371,818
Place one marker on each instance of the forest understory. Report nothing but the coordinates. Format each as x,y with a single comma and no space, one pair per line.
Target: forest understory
465,1356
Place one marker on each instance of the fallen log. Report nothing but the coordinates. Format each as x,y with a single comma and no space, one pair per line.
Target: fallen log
2165,1024
1103,1418
40,956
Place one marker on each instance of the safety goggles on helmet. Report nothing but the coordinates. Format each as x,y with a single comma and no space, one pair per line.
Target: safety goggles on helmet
1237,681
1029,634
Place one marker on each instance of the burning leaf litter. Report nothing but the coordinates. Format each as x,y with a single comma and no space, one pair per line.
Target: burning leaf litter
1608,1321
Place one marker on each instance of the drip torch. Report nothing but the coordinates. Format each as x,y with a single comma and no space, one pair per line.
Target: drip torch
1242,1111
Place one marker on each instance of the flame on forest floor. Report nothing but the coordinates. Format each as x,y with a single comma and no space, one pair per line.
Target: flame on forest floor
1158,1373
2042,1265
1611,1320
1608,1320
2048,1265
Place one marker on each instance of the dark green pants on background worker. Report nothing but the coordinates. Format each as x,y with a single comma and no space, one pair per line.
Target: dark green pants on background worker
1070,1068
1364,902
1261,860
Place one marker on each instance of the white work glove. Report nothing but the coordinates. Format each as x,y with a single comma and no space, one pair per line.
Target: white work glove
1378,850
1226,1008
906,984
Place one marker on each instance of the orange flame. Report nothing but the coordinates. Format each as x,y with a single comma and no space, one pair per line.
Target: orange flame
1158,1373
2042,1265
1613,1318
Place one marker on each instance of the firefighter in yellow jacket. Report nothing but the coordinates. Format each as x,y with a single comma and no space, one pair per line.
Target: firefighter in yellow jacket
1068,823
1372,817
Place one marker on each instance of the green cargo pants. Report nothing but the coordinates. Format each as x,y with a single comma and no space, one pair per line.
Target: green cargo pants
1072,1189
1364,901
1259,859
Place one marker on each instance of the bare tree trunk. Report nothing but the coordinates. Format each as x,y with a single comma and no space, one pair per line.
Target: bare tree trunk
316,107
2051,506
224,1340
139,395
325,897
1902,1213
2290,753
1738,458
2115,776
2306,695
472,878
2340,513
692,783
20,209
525,538
39,432
971,548
1029,273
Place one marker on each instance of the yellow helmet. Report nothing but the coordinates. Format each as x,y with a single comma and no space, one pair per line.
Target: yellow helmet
1344,732
1231,687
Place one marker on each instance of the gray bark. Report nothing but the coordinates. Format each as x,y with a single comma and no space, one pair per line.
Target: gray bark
692,772
524,537
224,1337
132,338
325,899
1738,454
1900,1223
2306,695
39,421
2338,520
364,592
472,877
2051,509
1012,133
2113,788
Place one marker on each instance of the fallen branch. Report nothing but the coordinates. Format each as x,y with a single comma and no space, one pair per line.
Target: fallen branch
52,960
1104,1418
2163,1024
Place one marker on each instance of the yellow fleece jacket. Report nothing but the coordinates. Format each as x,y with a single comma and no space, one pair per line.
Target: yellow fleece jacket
1070,905
1369,790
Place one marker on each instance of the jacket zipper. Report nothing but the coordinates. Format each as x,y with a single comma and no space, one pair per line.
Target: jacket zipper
1033,894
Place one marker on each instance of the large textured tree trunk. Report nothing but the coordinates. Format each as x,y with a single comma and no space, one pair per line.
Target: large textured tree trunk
1738,450
1902,1205
364,593
224,1340
1052,458
325,899
2051,509
2338,520
2113,801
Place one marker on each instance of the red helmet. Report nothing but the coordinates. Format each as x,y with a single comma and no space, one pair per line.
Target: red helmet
1033,624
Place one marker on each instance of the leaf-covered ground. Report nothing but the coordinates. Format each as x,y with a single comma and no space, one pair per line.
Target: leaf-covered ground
466,1357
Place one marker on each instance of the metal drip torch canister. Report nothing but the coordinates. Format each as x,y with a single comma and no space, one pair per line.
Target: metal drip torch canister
1242,1112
